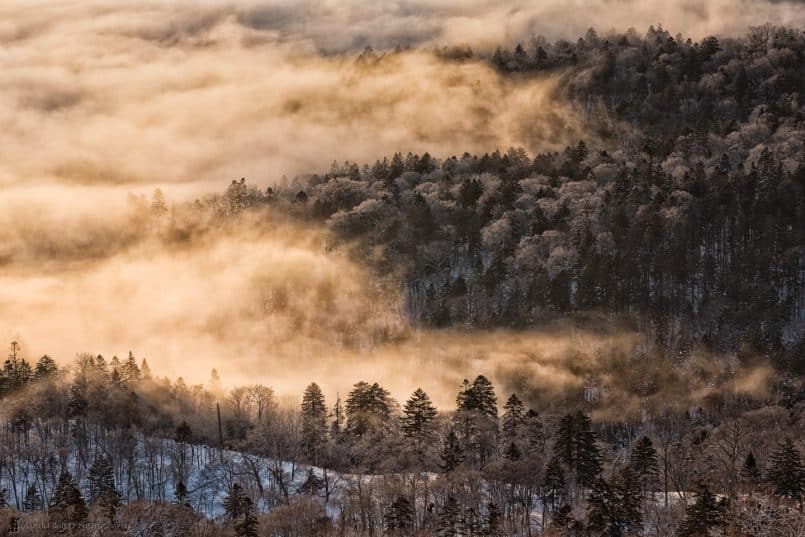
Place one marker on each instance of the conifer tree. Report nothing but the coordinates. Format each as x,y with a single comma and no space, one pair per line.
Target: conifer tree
45,367
337,415
785,471
399,517
418,414
314,421
702,515
750,471
247,527
235,502
478,396
102,487
614,507
417,421
183,433
130,371
514,417
576,446
449,523
452,453
534,431
368,408
77,403
644,461
67,505
553,485
512,452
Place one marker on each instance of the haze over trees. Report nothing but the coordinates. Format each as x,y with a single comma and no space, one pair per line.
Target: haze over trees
682,216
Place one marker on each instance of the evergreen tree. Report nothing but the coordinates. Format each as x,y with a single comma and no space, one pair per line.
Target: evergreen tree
643,460
512,452
314,421
553,485
45,367
452,453
247,527
77,403
478,396
337,425
102,487
399,518
130,371
785,471
514,417
183,434
145,370
750,471
576,446
449,523
67,506
235,502
702,515
368,408
614,508
33,500
101,481
3,498
417,420
534,432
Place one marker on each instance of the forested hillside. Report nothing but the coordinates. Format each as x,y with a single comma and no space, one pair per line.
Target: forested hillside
688,216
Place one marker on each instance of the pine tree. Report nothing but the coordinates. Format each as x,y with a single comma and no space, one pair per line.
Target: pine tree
512,452
452,453
235,503
145,370
45,367
702,515
102,487
33,500
417,419
130,371
750,471
368,408
77,404
514,417
644,461
576,446
785,471
183,434
553,485
614,507
248,526
337,425
314,421
399,518
449,523
534,432
67,506
478,396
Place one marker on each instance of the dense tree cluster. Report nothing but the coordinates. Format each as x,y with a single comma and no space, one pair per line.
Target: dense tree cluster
108,441
692,219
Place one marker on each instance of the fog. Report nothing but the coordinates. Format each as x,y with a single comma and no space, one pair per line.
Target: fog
101,98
